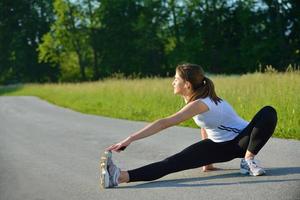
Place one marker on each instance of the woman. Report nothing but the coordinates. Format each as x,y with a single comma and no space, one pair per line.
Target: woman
228,135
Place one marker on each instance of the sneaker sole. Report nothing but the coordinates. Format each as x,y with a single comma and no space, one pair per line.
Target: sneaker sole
244,171
104,175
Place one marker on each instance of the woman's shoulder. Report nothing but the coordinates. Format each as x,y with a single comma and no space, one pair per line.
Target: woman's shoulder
211,103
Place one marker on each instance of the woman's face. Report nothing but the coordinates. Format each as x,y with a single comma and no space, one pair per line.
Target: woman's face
179,85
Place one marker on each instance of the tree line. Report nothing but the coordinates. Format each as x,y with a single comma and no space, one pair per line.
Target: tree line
78,40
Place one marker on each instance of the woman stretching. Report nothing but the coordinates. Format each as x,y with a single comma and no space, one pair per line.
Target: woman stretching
228,135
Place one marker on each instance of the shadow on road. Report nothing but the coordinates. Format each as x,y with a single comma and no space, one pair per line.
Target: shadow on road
242,179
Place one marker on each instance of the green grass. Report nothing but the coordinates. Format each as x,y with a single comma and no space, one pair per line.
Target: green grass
150,99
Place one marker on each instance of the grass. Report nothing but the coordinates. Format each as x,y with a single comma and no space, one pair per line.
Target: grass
150,99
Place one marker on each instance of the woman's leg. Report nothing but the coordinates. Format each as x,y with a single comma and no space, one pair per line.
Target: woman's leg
199,154
258,132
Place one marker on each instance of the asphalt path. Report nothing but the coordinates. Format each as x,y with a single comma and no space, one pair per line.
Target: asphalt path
50,152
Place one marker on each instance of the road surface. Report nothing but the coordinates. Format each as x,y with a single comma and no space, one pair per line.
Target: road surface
49,152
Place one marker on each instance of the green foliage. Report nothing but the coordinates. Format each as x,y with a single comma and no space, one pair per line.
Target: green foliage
67,36
66,40
133,98
130,40
22,24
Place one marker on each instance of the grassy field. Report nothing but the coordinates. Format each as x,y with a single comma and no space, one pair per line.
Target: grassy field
150,99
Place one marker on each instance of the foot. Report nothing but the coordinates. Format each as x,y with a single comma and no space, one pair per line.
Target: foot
114,173
249,166
209,168
109,172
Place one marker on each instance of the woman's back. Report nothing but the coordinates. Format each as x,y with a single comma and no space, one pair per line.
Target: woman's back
221,121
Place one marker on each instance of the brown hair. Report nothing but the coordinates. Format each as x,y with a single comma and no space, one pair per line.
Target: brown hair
202,86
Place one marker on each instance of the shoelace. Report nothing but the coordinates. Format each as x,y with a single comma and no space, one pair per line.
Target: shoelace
252,163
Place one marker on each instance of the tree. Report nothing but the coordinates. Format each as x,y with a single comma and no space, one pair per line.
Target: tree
293,31
93,25
130,39
67,35
22,24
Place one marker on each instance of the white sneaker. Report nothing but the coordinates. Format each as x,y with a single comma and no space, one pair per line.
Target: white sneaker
109,172
104,175
114,173
249,166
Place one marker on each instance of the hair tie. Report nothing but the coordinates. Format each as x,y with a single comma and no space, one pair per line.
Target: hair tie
204,80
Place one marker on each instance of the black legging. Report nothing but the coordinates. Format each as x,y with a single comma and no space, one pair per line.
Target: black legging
205,152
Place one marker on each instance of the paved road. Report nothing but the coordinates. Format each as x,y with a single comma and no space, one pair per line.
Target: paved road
49,152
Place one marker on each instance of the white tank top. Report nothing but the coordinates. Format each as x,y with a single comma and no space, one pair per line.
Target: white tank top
220,121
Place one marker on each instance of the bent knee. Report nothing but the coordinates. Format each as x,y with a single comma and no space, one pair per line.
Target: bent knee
271,113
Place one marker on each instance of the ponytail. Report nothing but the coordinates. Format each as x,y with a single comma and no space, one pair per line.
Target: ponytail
205,89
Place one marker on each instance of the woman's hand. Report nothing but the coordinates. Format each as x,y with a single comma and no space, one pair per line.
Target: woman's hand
120,146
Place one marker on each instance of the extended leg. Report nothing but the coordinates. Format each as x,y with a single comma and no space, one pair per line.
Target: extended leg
199,154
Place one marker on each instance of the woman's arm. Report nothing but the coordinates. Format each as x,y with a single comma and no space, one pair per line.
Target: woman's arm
203,134
184,114
188,111
210,167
